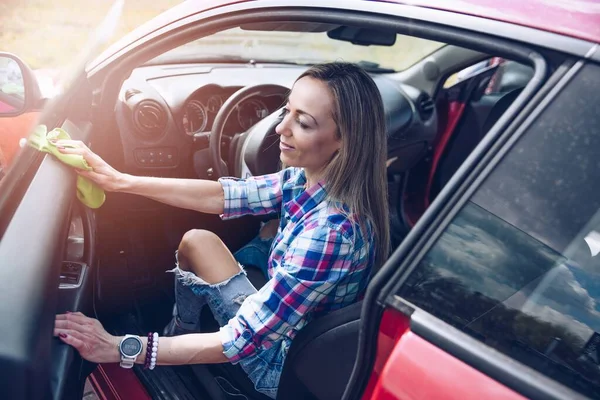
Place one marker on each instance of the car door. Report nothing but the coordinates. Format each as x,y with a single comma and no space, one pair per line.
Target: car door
36,212
46,242
495,293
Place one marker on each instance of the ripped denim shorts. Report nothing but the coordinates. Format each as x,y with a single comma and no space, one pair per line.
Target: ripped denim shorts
224,300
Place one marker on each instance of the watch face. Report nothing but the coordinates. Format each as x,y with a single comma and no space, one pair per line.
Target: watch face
131,346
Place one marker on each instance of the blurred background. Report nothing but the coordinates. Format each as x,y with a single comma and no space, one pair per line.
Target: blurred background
35,29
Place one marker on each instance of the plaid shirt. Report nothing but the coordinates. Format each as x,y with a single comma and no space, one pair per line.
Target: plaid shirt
319,261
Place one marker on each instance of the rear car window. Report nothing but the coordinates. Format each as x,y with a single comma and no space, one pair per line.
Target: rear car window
519,266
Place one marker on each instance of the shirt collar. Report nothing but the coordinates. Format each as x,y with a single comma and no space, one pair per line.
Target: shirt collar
303,201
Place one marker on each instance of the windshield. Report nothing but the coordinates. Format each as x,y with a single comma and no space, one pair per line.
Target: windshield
302,48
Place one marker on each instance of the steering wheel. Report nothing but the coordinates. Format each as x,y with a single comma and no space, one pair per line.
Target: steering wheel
216,133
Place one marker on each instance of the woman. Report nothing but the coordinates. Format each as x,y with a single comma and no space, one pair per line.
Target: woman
333,230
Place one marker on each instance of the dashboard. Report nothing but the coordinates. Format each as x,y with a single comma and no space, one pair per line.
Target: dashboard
201,108
165,113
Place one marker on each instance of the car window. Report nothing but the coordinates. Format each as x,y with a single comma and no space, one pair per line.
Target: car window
508,75
518,268
309,47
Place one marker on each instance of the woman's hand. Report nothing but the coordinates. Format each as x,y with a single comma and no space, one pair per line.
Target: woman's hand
88,337
102,174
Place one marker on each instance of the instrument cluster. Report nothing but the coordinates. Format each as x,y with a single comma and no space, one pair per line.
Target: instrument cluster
200,110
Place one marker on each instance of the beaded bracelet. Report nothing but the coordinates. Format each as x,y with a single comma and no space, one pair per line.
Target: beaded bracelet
151,351
148,357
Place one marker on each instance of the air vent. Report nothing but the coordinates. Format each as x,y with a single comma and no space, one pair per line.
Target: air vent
129,93
425,105
150,119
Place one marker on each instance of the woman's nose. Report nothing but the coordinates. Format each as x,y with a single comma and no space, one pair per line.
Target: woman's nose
283,127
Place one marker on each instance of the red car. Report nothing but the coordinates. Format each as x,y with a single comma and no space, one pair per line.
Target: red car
493,118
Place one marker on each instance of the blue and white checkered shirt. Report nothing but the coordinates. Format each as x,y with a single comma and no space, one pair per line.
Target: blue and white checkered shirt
320,261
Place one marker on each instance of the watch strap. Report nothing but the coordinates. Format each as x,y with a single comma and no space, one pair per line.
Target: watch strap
127,362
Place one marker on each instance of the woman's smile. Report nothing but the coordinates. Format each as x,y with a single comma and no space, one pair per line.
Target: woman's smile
285,147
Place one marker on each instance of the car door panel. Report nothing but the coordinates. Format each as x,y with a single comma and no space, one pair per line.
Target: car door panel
407,375
421,357
68,368
31,251
495,280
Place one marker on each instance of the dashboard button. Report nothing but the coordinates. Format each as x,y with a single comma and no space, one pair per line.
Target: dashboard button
156,157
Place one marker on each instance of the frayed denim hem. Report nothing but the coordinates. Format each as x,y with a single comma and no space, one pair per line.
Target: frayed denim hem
224,299
188,278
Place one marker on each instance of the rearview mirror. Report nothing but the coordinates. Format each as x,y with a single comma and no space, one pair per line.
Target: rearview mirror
19,91
363,36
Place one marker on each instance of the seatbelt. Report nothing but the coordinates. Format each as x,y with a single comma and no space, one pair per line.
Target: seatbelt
455,110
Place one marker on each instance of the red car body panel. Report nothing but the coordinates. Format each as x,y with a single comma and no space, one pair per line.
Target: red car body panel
416,369
393,325
576,18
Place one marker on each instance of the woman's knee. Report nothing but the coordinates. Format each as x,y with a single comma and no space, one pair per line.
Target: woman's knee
203,253
191,244
192,240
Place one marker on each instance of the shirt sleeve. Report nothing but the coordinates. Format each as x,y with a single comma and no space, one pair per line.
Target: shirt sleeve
257,195
317,260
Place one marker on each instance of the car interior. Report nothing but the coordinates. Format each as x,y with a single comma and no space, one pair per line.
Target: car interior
174,111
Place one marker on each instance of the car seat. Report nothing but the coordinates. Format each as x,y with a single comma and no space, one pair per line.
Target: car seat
319,362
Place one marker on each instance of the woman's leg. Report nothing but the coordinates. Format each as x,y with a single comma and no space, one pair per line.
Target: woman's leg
207,273
203,260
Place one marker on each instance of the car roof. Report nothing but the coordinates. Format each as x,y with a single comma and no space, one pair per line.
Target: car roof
576,18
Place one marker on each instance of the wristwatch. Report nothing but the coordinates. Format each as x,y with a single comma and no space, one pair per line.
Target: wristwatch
130,347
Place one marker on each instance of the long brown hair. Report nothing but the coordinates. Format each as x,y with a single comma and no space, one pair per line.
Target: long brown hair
356,175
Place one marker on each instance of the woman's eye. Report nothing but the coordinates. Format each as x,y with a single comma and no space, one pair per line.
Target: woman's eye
286,111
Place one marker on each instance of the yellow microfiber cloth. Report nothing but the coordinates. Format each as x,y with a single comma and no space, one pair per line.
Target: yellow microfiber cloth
88,192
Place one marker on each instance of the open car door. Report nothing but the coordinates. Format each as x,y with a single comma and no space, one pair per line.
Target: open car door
42,225
494,294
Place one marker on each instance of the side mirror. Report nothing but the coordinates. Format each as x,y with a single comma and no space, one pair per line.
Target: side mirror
19,90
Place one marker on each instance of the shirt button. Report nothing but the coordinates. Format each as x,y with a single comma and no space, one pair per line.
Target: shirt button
246,335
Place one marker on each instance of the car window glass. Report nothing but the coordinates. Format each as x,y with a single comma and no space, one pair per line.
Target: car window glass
518,268
507,75
310,47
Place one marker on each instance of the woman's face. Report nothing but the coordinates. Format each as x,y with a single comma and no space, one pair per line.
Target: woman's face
308,132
